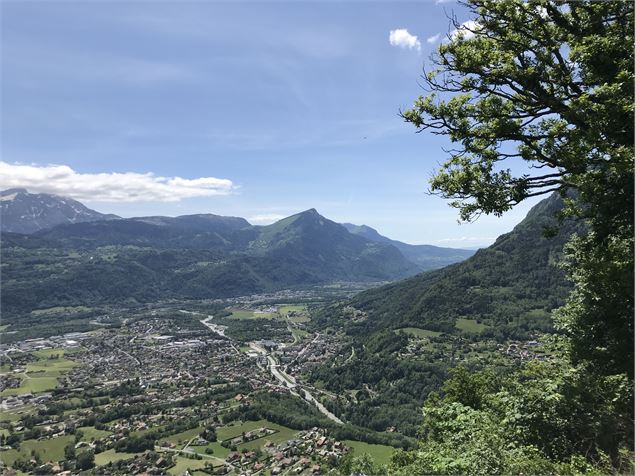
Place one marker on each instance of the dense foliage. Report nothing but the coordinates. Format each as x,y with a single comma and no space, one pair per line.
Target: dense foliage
550,83
548,418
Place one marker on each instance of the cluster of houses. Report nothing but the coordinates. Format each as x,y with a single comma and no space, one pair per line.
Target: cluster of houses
524,350
310,452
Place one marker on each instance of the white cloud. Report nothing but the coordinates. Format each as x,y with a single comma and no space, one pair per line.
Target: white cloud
433,39
265,219
111,186
403,39
465,31
438,2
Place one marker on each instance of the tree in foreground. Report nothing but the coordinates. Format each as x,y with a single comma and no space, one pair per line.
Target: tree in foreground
546,86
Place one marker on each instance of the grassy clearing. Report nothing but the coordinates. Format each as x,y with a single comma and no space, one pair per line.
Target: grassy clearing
42,375
218,450
49,450
282,434
416,332
380,453
50,367
32,385
183,464
249,314
183,437
470,325
4,327
111,456
285,309
232,431
91,433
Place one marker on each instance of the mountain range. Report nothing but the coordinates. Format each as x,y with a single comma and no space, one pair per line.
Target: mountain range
23,212
103,258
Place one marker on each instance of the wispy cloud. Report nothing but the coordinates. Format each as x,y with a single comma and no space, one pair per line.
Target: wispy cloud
439,2
433,39
265,219
465,31
402,38
109,186
49,61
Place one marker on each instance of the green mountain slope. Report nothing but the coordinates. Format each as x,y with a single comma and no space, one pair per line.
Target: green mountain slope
513,284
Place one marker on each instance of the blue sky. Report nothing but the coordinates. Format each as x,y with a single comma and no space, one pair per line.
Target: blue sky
292,105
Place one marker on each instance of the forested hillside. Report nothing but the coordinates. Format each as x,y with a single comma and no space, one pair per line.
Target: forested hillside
189,257
511,286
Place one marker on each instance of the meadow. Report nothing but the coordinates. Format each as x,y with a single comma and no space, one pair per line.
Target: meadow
380,453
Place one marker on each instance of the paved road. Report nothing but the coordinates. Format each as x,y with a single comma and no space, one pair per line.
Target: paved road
290,382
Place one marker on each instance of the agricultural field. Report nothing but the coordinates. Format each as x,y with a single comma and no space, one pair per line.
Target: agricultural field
249,314
91,433
181,439
282,434
111,456
42,375
51,449
218,450
31,385
285,309
183,464
470,325
380,453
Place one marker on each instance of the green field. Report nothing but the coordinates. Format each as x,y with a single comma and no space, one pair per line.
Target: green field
50,368
183,463
92,433
183,437
416,332
470,325
219,451
32,385
49,450
232,431
41,376
285,309
111,456
380,453
249,314
46,353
